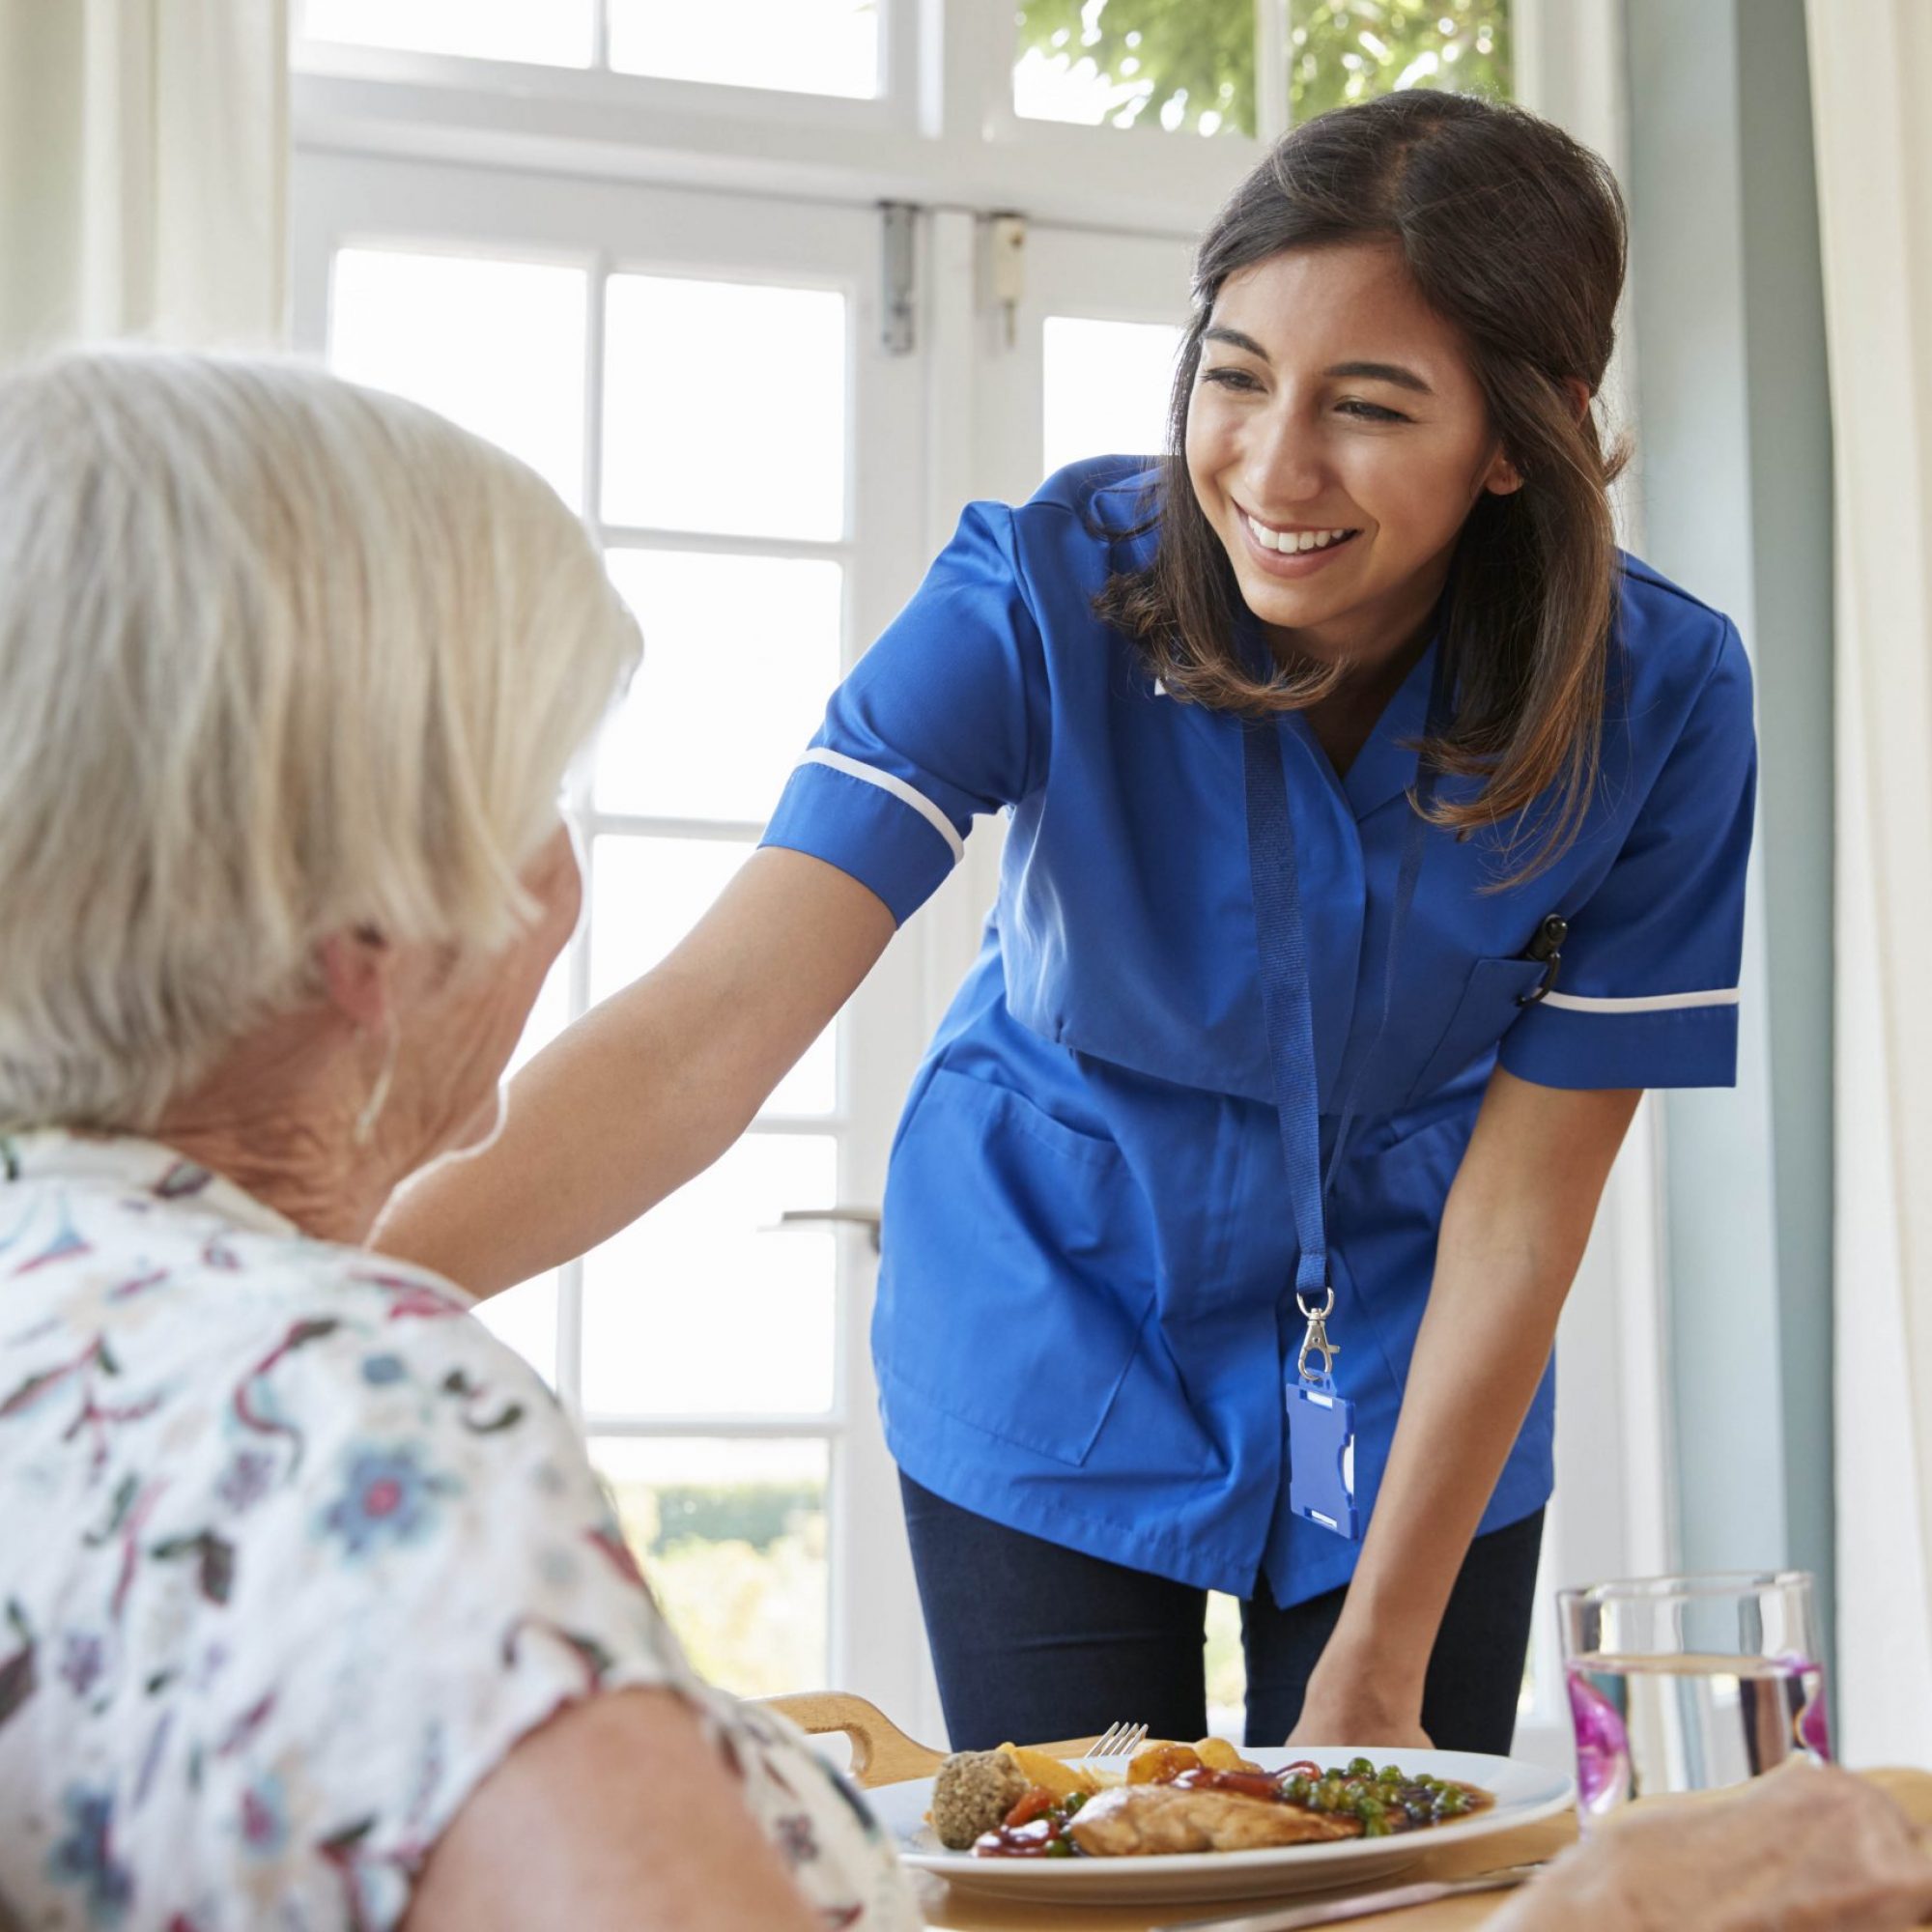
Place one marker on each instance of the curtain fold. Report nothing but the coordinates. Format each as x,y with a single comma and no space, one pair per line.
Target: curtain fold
1871,72
143,172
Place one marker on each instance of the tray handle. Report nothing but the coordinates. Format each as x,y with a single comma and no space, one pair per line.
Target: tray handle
881,1753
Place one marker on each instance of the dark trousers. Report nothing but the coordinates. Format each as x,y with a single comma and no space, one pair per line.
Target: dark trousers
1034,1643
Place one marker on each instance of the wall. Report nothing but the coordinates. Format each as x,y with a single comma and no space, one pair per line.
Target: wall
1735,483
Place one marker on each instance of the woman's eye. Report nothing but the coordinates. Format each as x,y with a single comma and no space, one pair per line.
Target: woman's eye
1370,412
1229,378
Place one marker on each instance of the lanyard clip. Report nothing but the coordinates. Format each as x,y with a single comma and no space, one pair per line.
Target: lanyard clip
1316,1342
1547,949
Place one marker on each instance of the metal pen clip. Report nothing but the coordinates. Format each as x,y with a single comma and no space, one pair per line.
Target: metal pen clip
1547,951
1316,1342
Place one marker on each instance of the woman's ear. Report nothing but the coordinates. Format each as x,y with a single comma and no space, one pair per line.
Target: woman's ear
358,967
1502,478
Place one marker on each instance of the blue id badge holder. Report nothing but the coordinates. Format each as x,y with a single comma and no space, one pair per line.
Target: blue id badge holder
1321,1420
1320,1434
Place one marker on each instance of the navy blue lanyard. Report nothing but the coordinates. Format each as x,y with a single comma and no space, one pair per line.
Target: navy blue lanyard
1287,1006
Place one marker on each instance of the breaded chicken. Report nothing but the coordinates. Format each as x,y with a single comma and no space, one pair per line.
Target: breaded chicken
1145,1820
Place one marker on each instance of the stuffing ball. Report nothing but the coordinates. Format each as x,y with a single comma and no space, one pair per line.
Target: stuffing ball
973,1793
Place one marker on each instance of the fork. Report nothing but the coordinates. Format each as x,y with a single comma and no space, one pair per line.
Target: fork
1116,1740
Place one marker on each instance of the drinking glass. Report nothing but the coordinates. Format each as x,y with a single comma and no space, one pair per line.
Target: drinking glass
1688,1683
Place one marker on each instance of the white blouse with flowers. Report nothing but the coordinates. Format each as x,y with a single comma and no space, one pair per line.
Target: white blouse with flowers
295,1551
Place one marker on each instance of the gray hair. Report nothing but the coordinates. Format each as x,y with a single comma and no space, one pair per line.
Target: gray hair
278,658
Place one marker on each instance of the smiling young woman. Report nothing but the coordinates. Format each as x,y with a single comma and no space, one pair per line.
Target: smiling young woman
1377,832
1495,246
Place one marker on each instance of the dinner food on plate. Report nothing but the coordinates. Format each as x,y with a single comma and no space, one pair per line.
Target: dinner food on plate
973,1793
1014,1803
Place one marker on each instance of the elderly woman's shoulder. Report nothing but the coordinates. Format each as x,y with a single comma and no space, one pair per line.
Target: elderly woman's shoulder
130,1268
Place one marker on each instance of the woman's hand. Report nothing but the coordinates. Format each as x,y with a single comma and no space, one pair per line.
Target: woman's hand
1349,1708
1801,1850
651,1087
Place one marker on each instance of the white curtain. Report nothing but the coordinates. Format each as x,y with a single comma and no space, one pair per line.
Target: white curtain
1871,65
143,172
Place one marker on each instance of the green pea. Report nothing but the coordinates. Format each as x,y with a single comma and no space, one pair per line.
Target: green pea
1361,1767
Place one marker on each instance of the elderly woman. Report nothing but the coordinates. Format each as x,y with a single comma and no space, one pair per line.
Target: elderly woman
311,1609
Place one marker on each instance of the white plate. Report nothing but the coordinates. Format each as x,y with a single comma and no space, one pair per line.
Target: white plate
1523,1794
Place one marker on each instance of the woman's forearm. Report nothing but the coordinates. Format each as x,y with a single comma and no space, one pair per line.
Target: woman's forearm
1484,1341
1513,1235
651,1087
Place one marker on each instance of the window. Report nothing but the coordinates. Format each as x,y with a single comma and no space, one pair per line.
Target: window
806,46
707,1355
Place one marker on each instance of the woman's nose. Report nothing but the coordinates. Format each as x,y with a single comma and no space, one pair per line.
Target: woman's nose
1285,463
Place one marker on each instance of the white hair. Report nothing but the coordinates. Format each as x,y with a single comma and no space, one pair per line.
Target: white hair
278,658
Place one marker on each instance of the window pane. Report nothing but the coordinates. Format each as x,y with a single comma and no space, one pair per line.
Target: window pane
494,346
803,46
555,34
1344,50
704,1307
1227,1668
1105,385
731,1537
1188,68
648,894
525,1317
685,741
724,408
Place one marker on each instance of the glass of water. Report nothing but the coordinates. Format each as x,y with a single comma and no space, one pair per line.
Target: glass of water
1688,1683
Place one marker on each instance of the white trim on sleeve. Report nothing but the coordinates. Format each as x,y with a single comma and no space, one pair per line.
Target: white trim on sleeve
1658,1003
899,789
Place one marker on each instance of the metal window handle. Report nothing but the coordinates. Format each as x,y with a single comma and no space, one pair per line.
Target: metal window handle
867,1219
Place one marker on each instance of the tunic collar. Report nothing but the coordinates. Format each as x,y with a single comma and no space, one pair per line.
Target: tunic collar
1385,768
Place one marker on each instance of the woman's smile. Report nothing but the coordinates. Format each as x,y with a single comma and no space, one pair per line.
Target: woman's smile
1293,550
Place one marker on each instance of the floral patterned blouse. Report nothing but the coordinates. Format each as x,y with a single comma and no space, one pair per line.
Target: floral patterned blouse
295,1551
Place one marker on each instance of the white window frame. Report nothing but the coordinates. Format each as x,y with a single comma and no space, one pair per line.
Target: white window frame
942,136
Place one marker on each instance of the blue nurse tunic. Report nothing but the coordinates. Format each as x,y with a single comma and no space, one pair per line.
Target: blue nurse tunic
1085,1314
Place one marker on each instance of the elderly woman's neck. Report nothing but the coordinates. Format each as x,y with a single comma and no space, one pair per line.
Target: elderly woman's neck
278,1118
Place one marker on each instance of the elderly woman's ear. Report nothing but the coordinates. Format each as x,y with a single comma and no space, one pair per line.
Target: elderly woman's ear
358,969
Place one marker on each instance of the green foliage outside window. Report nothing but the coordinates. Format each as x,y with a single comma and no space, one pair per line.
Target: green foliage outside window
757,1513
1186,59
1341,51
739,1570
1191,57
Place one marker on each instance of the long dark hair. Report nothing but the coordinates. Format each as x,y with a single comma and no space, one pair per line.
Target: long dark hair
1515,234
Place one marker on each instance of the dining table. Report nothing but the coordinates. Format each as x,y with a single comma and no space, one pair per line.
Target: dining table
884,1755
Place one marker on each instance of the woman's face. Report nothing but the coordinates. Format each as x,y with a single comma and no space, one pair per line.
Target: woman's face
1336,442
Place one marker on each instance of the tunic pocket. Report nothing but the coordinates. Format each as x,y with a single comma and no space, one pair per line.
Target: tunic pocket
1017,1274
1486,1010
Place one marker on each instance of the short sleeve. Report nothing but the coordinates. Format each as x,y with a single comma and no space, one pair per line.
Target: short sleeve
1648,990
943,718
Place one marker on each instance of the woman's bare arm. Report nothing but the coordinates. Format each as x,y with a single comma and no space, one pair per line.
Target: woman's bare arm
1512,1233
651,1087
615,1815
